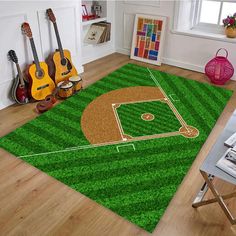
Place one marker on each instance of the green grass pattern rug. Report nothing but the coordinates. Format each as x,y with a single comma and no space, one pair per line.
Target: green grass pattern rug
137,181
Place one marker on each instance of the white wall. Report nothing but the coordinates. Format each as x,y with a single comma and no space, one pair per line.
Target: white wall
179,50
14,13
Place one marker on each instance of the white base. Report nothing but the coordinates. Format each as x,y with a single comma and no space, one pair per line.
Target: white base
102,53
176,63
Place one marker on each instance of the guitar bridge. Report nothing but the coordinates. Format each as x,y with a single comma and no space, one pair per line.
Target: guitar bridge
65,73
43,86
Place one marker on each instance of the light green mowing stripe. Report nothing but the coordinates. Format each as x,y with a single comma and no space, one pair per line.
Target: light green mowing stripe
139,181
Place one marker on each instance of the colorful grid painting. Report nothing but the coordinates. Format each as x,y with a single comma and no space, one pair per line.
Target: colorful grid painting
148,38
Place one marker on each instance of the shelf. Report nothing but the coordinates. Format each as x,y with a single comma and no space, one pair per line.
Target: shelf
89,22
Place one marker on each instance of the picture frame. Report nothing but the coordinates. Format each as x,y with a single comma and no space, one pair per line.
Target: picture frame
148,38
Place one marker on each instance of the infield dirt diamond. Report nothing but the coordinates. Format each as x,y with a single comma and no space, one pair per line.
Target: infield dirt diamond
131,114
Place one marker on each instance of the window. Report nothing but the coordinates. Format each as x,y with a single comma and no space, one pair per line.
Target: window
210,13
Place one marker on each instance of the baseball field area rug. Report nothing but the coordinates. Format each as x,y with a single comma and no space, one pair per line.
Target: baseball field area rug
126,141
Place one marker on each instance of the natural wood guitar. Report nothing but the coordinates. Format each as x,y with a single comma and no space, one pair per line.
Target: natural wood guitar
19,90
64,69
40,83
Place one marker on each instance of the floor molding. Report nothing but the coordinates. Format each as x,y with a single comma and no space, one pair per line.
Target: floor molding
104,53
172,62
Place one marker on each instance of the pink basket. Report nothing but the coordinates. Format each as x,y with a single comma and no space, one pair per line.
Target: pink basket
219,70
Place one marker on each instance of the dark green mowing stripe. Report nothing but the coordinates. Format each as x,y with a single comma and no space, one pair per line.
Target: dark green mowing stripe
134,179
116,84
27,143
61,136
186,116
61,128
199,120
116,164
136,123
138,208
162,109
212,94
136,81
87,161
208,107
150,105
64,113
127,188
43,136
58,115
141,131
201,102
119,172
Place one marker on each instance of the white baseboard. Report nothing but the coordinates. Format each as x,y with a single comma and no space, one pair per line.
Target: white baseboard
184,65
172,62
187,66
123,51
99,55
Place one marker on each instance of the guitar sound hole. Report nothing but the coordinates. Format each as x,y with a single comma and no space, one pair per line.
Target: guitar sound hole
39,74
63,61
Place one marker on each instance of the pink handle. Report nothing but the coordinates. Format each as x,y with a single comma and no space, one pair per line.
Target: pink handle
222,49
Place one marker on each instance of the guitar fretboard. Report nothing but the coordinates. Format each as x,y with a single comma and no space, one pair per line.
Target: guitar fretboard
20,74
35,55
58,40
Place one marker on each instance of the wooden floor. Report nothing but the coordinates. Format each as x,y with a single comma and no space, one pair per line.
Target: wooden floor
32,203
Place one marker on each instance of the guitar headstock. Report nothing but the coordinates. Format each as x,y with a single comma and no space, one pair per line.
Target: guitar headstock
25,27
12,56
51,15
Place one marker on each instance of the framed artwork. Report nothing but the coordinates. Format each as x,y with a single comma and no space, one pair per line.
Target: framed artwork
148,38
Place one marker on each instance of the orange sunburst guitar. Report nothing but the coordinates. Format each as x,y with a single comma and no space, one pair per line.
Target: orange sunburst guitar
64,69
40,83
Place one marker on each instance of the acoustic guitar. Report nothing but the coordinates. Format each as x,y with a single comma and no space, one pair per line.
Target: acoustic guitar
64,69
19,90
40,83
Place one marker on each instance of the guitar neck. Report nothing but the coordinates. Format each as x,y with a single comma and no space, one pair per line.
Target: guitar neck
22,82
35,55
58,40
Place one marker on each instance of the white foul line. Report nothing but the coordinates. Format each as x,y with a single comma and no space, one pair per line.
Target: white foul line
172,107
118,122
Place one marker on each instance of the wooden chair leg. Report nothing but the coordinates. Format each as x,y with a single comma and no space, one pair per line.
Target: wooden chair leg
218,198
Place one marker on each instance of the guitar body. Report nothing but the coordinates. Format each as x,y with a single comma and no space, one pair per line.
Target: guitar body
40,86
19,92
64,68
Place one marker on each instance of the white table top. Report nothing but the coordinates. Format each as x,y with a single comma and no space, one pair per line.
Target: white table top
217,151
